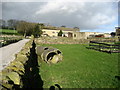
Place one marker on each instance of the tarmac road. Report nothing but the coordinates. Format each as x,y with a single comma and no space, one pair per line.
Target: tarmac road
7,53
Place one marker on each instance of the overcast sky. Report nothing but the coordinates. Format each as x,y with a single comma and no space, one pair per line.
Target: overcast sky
99,16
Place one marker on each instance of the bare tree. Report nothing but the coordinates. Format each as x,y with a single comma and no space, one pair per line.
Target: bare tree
63,26
2,23
76,27
12,24
28,28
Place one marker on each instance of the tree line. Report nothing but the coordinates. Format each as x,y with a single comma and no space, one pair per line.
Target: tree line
9,24
28,28
23,27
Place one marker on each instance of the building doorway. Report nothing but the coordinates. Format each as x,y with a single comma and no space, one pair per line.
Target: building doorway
70,34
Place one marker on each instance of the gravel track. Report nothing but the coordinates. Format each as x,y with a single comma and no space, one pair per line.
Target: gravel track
7,53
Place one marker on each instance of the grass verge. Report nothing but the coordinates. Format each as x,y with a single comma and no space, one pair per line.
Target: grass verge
8,31
81,68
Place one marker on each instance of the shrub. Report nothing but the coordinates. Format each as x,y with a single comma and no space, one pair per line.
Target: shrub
60,33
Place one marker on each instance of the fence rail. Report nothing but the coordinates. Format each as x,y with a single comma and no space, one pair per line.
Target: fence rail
104,47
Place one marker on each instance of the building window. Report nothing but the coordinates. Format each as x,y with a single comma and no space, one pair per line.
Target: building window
74,35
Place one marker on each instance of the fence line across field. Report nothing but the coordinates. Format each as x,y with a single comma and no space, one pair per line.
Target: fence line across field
104,47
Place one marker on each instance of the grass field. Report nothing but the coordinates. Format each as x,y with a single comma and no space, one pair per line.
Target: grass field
7,31
81,68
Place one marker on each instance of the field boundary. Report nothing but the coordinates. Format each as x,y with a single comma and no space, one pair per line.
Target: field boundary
104,47
20,72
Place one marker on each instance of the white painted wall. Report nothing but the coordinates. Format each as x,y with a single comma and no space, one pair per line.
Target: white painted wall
54,33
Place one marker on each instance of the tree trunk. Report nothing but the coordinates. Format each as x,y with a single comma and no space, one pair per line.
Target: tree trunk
25,34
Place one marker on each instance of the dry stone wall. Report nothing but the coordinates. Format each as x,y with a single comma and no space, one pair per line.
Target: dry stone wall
60,40
23,72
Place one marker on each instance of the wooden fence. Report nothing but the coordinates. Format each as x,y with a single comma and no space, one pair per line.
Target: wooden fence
104,47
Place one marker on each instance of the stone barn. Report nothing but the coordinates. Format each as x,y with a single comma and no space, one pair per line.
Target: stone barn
84,35
67,32
117,31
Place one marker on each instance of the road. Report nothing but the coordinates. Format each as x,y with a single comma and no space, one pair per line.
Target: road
7,53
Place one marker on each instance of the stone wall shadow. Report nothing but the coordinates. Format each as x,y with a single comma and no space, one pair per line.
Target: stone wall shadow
32,78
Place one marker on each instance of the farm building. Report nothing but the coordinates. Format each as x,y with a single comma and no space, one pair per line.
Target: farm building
85,35
71,32
117,31
107,35
53,32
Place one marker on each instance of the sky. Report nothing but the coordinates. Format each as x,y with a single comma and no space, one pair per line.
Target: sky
89,16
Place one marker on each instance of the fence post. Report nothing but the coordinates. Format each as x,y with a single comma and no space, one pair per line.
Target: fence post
99,47
110,49
89,44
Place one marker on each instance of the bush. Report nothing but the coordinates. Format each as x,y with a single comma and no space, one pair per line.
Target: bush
60,33
37,31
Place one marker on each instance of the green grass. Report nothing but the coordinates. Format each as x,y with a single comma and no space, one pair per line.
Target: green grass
8,31
81,68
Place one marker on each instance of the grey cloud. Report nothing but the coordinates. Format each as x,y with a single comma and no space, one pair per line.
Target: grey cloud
88,15
119,13
0,10
19,10
69,14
